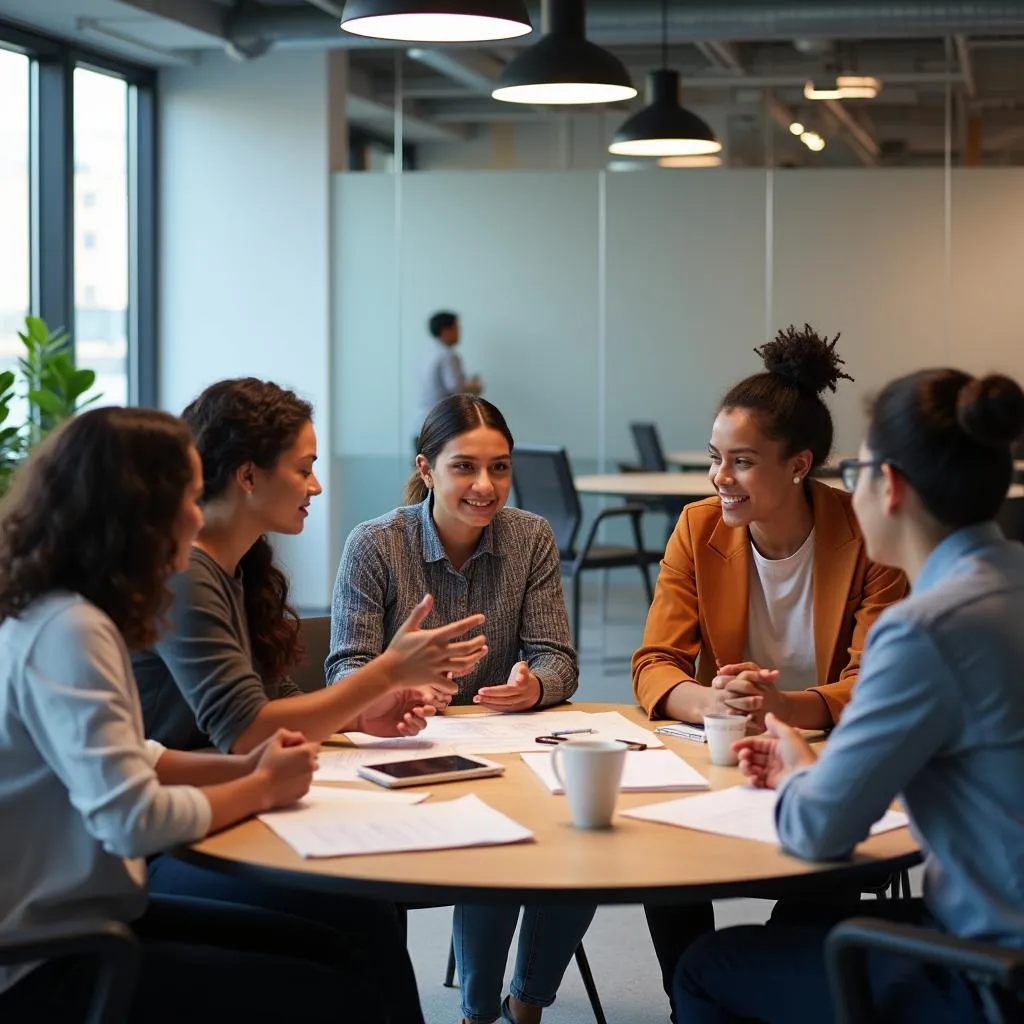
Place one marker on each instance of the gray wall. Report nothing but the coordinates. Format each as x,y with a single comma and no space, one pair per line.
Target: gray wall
592,299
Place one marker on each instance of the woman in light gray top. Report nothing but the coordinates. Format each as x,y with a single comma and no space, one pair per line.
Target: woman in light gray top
937,718
84,798
460,543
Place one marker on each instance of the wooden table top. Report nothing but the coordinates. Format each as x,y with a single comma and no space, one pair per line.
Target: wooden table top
692,484
635,861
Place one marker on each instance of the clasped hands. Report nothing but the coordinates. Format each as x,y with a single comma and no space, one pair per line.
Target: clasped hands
747,689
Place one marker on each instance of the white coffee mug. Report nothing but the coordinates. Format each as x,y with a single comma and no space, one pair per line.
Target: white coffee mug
721,732
590,772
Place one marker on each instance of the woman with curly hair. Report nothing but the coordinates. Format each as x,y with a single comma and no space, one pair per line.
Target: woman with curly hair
766,592
219,675
92,530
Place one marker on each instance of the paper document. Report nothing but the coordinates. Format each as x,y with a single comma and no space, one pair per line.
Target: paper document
741,811
512,734
342,764
685,731
371,826
645,771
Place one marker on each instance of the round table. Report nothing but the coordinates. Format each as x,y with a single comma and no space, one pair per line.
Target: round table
690,485
634,862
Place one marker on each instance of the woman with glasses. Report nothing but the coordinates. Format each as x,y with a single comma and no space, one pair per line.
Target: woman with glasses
766,592
937,718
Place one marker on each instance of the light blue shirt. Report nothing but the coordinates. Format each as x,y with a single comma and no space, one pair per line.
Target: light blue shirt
937,717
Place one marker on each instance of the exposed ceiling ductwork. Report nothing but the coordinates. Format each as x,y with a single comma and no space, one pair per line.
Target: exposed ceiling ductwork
607,22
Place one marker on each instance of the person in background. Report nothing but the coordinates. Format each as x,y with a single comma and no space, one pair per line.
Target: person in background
766,592
442,372
937,718
456,539
96,523
218,676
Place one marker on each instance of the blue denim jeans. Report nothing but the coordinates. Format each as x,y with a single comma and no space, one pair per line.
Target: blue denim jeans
547,942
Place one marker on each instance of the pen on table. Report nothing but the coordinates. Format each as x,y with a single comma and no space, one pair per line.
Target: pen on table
570,732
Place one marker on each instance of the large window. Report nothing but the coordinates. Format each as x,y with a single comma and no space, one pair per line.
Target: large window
101,230
78,207
15,202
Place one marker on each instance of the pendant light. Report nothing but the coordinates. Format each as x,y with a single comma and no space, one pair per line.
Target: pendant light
564,67
436,21
663,127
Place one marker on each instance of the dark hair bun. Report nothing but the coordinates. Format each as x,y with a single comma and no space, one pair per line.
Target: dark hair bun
804,359
991,410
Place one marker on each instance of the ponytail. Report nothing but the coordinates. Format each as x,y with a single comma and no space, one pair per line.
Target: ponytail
415,489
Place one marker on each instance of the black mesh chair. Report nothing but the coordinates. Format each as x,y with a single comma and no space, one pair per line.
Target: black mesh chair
316,638
652,460
111,945
997,972
543,483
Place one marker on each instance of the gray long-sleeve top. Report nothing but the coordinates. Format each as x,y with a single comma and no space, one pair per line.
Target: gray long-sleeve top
199,685
513,578
80,801
937,716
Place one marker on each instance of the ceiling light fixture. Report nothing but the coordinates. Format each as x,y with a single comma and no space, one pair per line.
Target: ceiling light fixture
845,87
684,162
564,68
664,127
813,141
796,128
436,21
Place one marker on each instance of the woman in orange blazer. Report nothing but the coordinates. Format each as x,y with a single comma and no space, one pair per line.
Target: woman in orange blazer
765,595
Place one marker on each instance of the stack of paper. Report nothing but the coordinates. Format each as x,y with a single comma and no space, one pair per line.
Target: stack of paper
741,811
645,771
510,734
364,822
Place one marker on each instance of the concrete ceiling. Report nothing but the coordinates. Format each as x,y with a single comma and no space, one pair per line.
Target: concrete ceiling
758,63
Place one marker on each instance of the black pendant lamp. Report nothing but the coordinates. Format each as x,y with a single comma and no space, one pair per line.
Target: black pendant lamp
436,21
564,67
663,127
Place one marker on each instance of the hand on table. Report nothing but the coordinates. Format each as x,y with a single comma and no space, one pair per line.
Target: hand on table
286,763
768,760
520,693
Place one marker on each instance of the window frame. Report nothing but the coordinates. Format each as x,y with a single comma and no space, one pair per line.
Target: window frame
52,173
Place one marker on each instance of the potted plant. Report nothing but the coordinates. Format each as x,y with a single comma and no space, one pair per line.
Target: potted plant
51,386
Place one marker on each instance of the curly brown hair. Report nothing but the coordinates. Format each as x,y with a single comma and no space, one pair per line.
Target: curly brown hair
250,420
93,512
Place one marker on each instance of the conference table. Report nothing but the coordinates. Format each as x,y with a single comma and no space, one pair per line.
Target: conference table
689,485
632,862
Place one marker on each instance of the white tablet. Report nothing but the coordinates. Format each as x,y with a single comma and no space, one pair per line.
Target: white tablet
423,770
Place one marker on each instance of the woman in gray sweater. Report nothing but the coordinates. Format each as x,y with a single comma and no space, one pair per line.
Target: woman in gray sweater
95,525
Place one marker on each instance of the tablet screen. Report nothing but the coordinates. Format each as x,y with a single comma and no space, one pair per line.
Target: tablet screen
426,766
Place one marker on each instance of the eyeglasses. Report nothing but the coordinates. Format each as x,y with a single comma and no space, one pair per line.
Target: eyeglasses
556,738
849,470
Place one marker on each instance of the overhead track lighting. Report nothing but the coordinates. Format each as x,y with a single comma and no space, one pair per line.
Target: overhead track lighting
664,127
845,87
564,67
436,21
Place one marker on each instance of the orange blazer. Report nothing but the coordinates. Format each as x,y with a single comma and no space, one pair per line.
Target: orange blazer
700,603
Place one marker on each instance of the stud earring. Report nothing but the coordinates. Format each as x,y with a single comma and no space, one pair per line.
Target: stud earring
796,479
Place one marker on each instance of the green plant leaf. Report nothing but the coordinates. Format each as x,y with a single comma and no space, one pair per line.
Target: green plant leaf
37,329
48,402
79,382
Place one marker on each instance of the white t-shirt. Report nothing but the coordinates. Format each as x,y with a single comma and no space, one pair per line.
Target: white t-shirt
780,617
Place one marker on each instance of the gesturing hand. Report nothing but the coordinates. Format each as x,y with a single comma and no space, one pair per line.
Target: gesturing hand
401,712
431,656
520,693
767,761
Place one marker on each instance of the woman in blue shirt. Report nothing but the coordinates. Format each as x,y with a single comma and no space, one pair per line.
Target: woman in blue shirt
937,718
